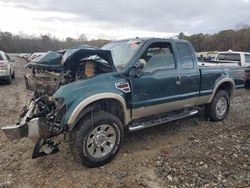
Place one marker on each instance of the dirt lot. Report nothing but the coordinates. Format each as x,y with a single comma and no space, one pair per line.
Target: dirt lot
188,153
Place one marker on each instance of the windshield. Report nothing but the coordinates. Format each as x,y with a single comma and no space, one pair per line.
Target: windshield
123,51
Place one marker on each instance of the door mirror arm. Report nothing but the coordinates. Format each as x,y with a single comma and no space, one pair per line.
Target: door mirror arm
136,71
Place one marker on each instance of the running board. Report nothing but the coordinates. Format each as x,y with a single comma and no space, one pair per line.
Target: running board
140,124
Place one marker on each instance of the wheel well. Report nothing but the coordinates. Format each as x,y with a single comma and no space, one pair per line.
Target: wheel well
228,87
112,106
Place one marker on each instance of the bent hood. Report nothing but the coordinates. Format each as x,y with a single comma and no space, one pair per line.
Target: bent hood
74,55
50,61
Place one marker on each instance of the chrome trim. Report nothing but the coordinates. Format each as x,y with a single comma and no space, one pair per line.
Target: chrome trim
13,132
141,126
125,89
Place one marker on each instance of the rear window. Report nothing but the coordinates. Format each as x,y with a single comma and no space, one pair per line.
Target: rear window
229,57
247,58
1,57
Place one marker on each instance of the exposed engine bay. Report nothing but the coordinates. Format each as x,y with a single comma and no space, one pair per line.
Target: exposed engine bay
42,120
47,82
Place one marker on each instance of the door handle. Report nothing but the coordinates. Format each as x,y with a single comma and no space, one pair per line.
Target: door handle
178,80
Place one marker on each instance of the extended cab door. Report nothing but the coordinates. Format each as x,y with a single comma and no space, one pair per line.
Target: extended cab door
157,89
189,74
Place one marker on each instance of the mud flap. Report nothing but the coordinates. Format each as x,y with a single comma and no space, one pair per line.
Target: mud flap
44,147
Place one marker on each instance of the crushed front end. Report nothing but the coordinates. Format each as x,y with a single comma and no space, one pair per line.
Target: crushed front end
40,122
43,119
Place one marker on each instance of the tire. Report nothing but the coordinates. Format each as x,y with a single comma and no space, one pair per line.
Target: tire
13,76
247,84
97,139
9,79
219,108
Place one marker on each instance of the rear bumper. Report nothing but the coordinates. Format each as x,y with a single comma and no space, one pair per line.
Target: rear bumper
4,73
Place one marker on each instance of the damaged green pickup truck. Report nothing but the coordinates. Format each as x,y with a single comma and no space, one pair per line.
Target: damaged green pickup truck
126,85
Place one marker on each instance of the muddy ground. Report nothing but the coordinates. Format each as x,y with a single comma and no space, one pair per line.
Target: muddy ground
187,153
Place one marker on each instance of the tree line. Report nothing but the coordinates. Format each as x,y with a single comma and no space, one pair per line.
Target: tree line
237,40
11,43
228,39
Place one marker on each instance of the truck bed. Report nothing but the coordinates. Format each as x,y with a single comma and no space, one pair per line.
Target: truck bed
213,74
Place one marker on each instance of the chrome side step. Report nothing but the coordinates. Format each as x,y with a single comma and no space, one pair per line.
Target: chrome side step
140,124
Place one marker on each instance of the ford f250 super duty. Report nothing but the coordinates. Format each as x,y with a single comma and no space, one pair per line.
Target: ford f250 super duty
95,94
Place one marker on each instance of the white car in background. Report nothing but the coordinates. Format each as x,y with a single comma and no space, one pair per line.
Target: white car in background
7,67
232,58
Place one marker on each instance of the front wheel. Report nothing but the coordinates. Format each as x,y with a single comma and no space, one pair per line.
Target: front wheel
97,139
219,108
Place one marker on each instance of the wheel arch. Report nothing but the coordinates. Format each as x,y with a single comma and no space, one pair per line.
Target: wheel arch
109,102
227,85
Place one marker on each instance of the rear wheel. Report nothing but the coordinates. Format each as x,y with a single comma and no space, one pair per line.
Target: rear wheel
219,108
9,79
97,139
13,76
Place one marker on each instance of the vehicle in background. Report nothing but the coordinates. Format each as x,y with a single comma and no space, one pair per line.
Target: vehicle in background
232,58
35,55
206,56
7,67
24,55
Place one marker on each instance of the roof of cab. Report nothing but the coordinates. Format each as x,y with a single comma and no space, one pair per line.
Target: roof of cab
152,39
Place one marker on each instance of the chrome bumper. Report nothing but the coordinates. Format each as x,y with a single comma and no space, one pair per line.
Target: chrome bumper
13,132
35,129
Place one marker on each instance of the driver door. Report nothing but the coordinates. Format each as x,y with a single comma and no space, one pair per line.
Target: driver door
157,88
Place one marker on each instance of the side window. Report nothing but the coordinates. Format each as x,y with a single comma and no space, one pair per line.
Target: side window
159,56
247,56
185,54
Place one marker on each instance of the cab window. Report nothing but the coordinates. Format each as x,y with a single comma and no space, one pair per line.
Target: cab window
159,56
247,56
185,55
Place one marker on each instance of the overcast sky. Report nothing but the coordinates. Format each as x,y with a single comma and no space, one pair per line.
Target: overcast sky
115,19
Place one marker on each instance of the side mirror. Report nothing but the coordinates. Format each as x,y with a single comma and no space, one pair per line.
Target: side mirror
137,70
12,60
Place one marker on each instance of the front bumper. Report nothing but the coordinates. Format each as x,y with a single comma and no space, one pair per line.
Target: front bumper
15,131
35,129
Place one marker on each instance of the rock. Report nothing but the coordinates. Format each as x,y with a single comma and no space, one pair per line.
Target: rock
170,178
158,163
205,166
226,173
235,155
166,168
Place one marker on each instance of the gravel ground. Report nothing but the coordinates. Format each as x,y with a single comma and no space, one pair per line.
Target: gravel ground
187,153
